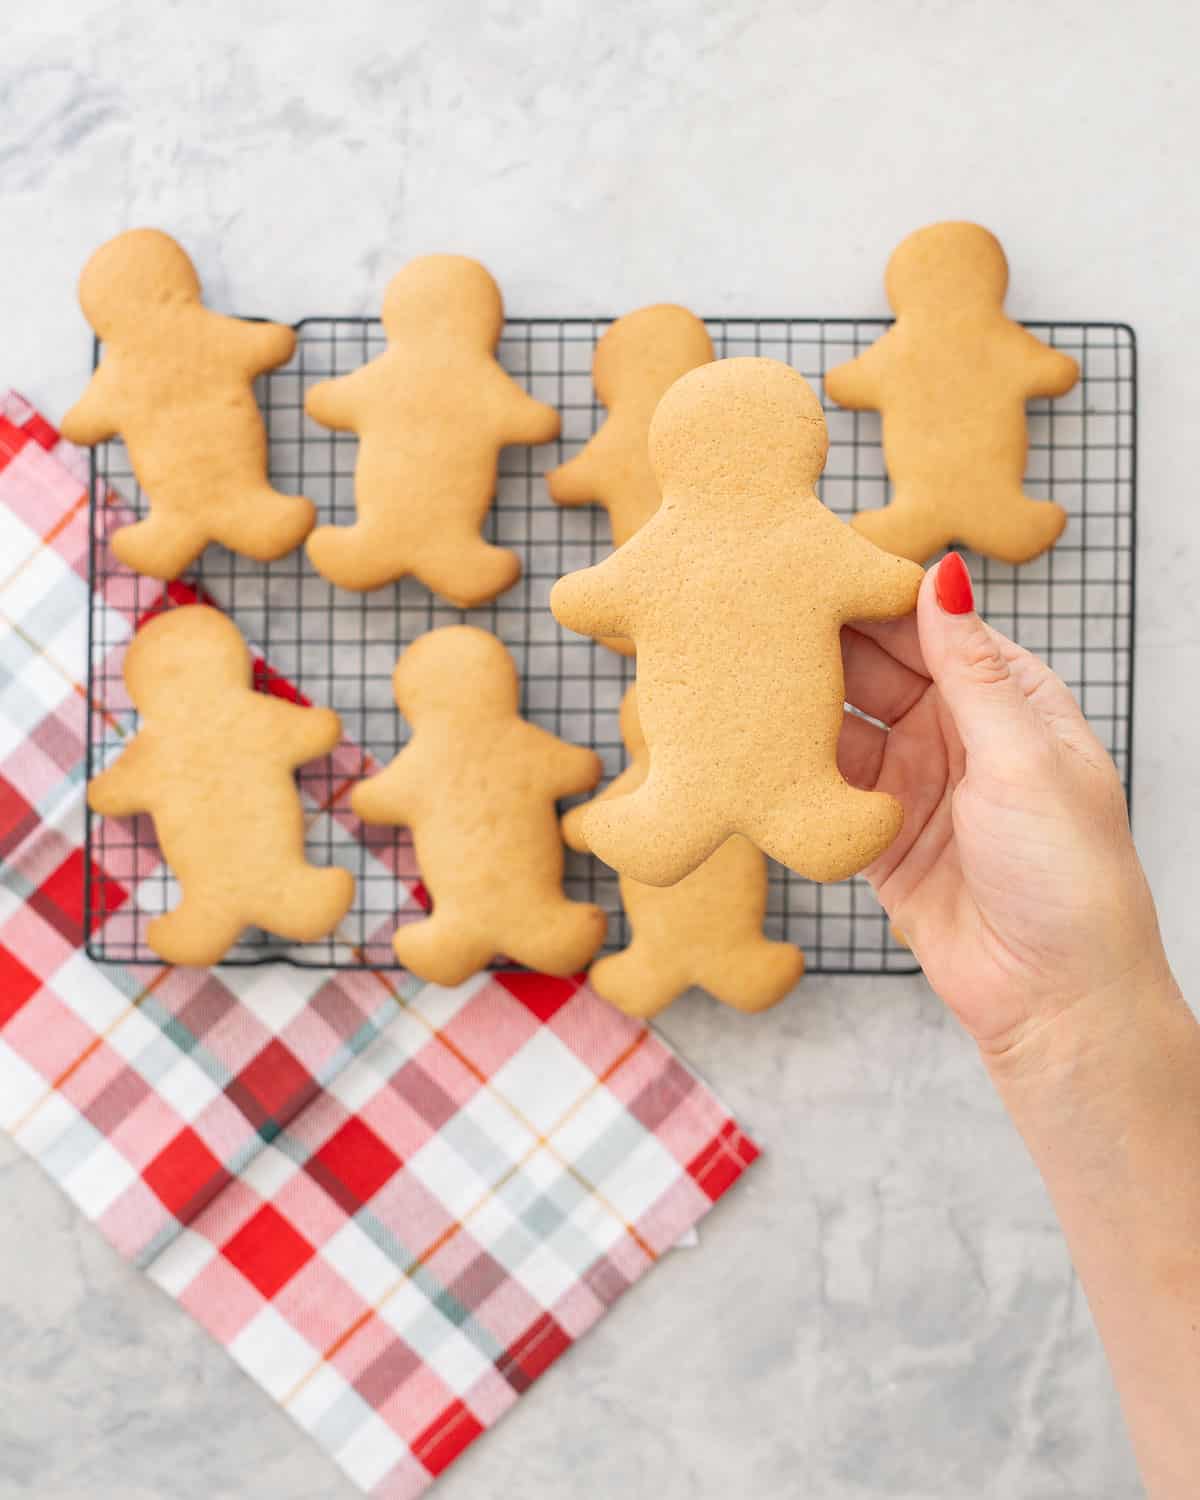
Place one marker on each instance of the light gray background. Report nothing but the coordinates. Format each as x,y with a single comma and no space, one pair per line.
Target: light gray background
884,1308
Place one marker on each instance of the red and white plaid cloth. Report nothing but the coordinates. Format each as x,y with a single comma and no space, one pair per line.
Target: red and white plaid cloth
394,1204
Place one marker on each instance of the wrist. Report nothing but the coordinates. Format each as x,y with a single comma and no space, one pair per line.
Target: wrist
1101,1027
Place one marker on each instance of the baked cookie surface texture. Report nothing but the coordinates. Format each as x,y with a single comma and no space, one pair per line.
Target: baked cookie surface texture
638,359
432,413
213,764
706,930
734,594
175,380
951,378
478,785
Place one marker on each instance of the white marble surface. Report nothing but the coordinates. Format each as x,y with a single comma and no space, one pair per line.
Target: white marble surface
884,1310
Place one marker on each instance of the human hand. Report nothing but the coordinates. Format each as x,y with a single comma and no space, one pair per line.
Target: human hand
1014,879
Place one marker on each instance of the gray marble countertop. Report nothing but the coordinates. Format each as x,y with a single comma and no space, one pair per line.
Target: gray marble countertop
884,1310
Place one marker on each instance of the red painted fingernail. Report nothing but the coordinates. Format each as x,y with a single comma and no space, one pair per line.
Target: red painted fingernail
953,585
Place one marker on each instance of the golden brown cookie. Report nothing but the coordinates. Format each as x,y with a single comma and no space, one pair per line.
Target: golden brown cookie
951,377
431,413
477,785
213,765
705,930
636,361
175,382
734,594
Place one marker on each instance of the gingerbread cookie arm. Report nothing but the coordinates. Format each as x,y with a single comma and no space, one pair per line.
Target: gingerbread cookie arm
574,483
1044,371
304,733
391,795
580,480
572,828
260,346
620,786
858,384
877,585
522,418
119,792
569,769
337,403
600,600
94,418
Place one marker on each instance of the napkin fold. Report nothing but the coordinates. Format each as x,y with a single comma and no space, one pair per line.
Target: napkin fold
394,1204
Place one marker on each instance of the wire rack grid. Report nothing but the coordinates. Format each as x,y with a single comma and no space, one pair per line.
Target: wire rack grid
1074,606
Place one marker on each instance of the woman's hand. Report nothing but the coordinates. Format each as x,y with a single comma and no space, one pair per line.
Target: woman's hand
1016,881
1014,878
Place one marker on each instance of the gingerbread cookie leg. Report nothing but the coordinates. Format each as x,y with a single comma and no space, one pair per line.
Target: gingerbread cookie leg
904,527
300,905
161,546
263,524
566,938
444,948
755,977
835,833
649,838
1015,531
362,557
636,981
196,932
490,570
357,557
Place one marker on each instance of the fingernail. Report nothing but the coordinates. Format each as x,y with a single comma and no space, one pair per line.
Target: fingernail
953,585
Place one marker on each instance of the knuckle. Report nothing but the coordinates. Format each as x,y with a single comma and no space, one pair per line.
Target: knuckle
982,658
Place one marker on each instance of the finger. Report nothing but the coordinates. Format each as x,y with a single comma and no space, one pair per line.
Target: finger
1042,686
876,682
899,638
860,751
1056,707
973,675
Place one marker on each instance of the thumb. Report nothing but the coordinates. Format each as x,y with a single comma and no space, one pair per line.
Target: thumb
973,676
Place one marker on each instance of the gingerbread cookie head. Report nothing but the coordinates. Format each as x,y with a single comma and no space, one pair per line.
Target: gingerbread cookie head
184,658
946,267
646,351
749,430
444,297
459,671
133,277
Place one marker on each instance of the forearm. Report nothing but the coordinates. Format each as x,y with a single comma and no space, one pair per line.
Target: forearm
1107,1098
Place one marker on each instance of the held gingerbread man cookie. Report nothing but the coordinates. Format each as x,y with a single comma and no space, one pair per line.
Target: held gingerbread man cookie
213,765
706,930
734,594
951,377
175,381
431,413
636,361
477,785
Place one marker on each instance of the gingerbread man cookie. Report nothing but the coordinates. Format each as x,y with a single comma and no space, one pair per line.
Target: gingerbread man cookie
431,413
175,382
636,361
213,764
705,930
477,785
951,377
734,594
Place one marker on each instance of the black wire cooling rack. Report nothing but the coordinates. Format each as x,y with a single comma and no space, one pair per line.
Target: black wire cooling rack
1074,606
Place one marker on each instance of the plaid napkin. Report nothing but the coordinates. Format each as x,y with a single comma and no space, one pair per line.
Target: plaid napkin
394,1204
